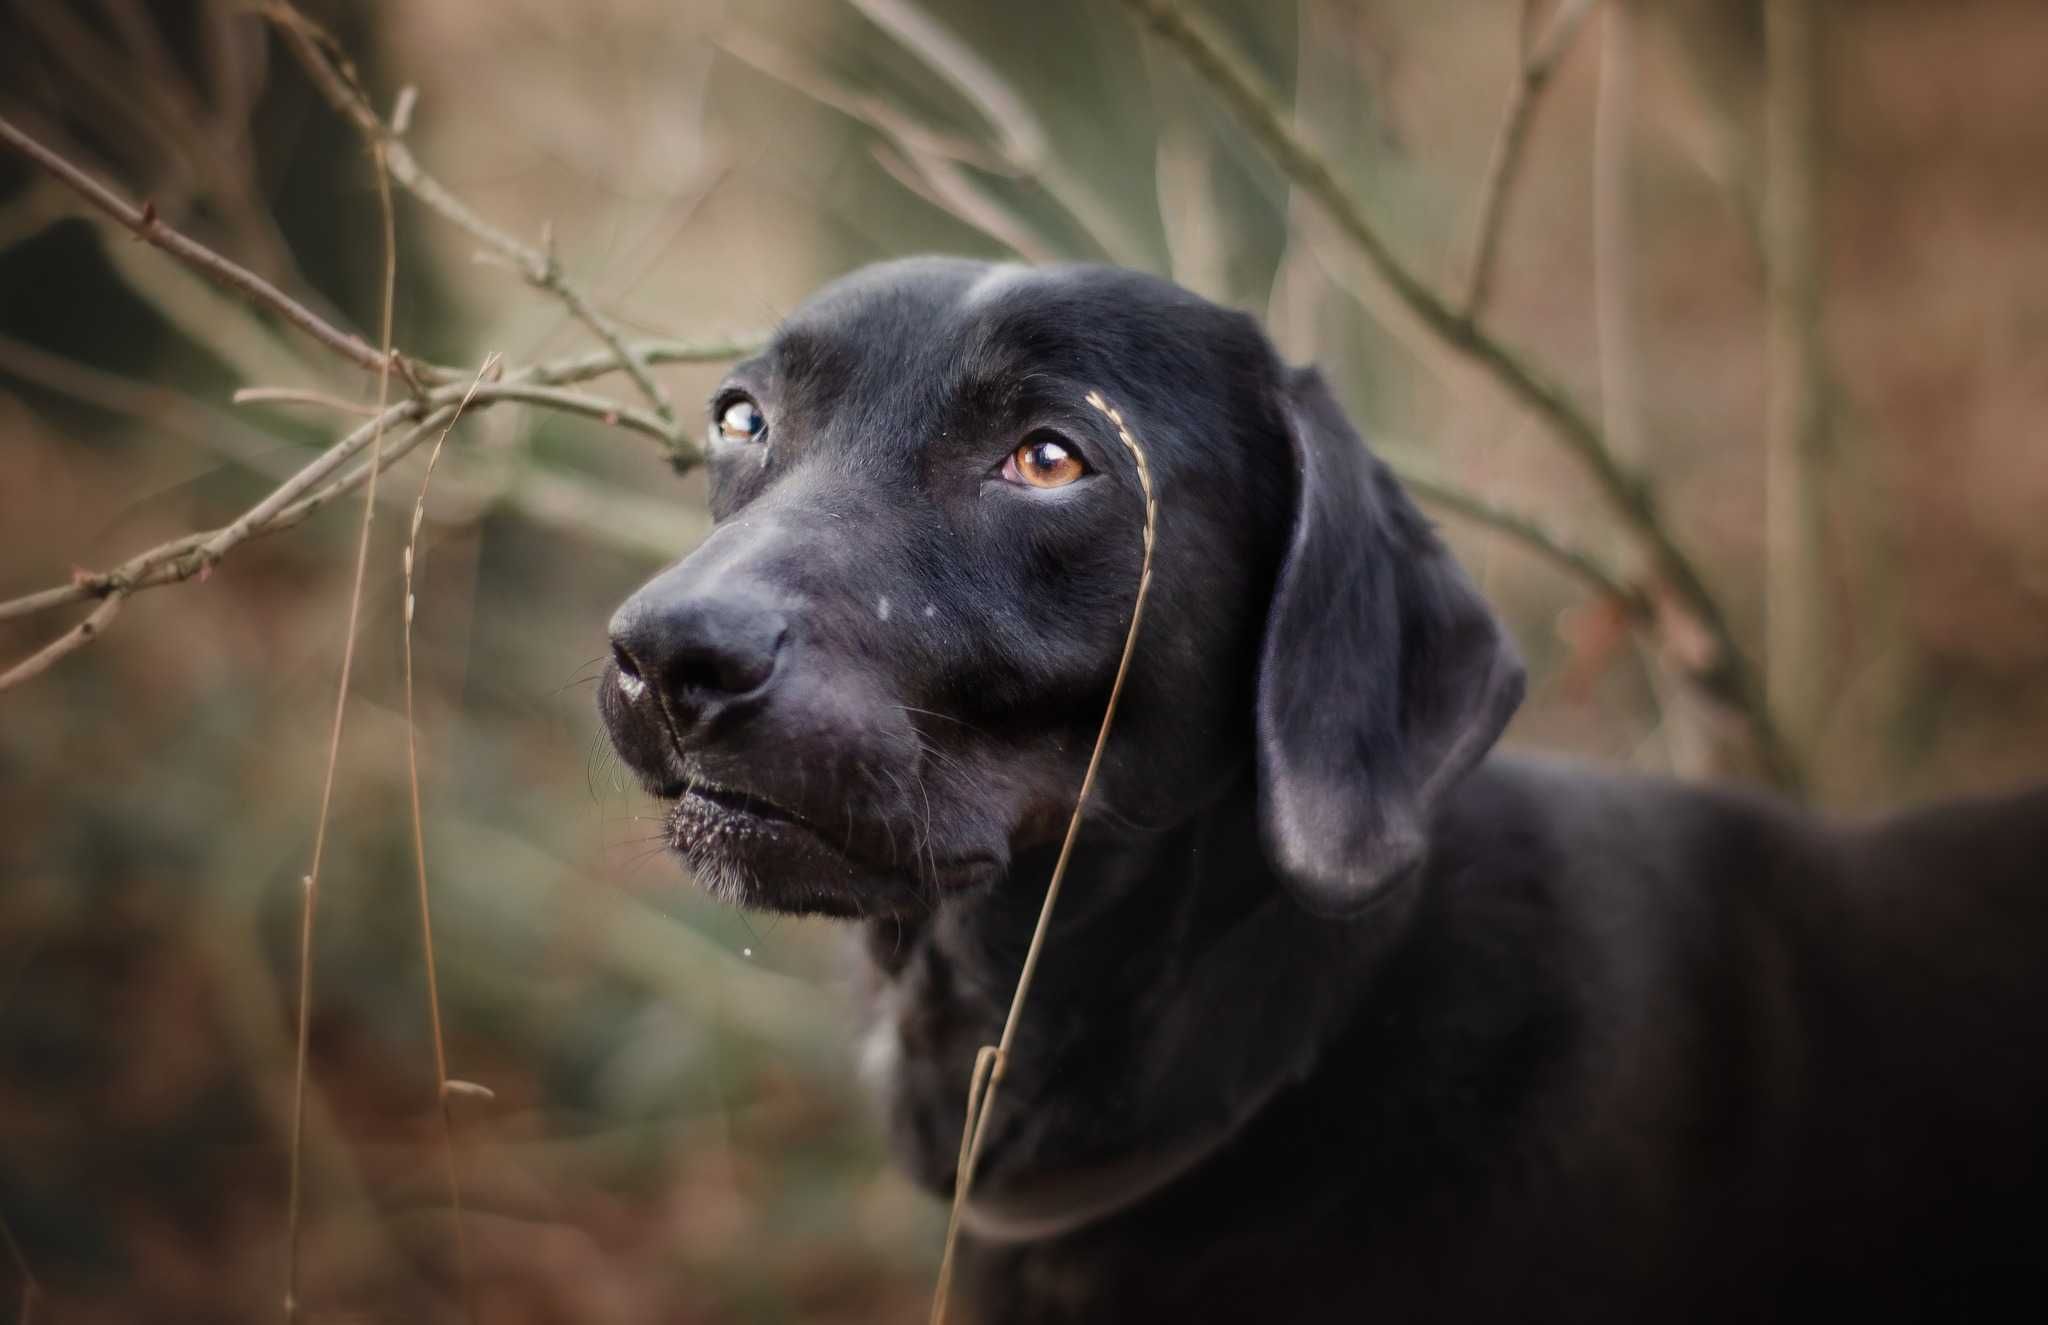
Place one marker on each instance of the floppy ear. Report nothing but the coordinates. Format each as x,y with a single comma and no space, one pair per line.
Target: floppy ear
1383,678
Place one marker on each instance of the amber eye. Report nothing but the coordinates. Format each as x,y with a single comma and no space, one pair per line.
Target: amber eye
1044,461
739,420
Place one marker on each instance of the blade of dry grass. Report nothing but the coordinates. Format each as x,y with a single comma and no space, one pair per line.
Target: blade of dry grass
443,1087
992,1060
311,896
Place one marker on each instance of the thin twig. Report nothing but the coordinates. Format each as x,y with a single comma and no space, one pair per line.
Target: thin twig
146,225
1504,163
1728,674
584,367
331,71
80,635
291,395
1618,336
191,555
173,563
1796,424
1573,560
991,1062
311,896
442,1092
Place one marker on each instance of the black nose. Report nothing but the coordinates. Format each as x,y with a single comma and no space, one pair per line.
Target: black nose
699,655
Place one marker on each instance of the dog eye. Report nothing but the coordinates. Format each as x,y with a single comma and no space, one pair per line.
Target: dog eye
740,420
1044,461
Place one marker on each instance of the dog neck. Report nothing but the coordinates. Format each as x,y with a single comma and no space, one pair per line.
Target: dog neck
1181,990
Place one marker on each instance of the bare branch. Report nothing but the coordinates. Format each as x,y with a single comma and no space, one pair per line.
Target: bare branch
334,75
1729,675
80,635
584,367
1614,239
145,224
1526,531
291,395
1504,163
184,557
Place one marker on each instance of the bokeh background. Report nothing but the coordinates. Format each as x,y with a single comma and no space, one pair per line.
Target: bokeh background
677,1132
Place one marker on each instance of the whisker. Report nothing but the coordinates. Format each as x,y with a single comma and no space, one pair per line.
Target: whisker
943,717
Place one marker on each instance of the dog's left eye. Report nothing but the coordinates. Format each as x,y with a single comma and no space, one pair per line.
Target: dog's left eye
1045,460
740,420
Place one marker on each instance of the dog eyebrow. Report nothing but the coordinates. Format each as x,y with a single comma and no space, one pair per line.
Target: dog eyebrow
801,353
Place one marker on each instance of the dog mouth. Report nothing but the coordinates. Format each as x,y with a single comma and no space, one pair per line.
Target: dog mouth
755,851
712,825
730,802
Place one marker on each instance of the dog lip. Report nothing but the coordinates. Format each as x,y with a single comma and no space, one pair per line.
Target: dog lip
736,801
733,803
952,871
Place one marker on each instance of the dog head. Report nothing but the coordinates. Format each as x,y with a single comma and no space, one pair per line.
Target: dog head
881,675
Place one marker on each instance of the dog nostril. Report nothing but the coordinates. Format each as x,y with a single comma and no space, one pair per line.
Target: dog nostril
695,655
630,680
722,670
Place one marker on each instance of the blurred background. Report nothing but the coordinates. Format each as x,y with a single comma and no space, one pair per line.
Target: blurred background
678,1132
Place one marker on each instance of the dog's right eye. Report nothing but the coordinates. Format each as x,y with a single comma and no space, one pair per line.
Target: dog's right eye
739,419
1045,460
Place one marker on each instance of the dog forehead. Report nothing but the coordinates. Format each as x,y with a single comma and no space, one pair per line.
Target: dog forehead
922,330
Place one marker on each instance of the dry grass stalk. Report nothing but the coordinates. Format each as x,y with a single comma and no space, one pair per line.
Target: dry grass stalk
990,1063
443,1087
311,897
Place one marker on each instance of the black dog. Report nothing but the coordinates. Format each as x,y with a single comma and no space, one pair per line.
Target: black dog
1340,1019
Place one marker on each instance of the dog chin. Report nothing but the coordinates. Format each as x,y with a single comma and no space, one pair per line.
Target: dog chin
764,862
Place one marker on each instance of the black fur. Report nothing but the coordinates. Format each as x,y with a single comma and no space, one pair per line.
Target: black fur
1454,1038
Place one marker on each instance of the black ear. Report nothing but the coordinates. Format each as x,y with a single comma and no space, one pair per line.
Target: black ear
1383,678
